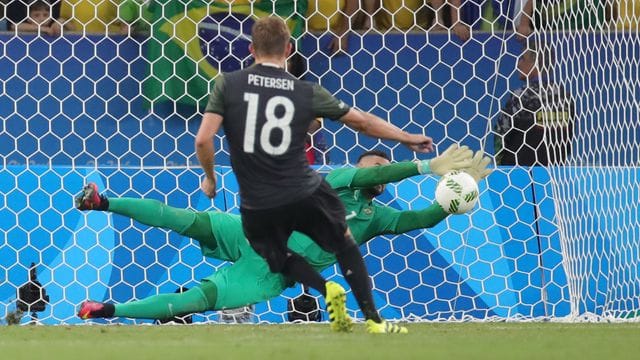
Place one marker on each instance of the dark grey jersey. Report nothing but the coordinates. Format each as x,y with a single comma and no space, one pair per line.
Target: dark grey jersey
267,113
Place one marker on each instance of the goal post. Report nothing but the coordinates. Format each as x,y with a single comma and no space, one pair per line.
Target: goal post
555,242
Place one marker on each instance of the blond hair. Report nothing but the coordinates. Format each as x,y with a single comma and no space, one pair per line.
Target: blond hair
270,36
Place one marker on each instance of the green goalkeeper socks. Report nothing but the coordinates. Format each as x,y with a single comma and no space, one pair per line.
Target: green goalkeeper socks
164,306
195,225
153,213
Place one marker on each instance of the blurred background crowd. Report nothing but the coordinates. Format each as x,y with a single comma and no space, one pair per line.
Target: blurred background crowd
339,16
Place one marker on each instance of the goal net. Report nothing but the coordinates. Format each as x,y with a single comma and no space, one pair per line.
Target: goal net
596,193
117,100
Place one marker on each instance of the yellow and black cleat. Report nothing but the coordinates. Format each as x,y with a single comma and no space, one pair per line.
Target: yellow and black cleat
385,327
336,300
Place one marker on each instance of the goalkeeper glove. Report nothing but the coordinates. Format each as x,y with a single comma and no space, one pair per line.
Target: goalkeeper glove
479,167
454,158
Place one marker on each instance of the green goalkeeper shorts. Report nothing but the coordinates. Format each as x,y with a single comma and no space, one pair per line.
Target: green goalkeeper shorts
247,281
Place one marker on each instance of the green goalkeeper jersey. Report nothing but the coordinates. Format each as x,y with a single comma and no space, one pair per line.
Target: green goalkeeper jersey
248,280
365,219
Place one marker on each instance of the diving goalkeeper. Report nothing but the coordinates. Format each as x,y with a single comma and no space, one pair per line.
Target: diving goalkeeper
248,280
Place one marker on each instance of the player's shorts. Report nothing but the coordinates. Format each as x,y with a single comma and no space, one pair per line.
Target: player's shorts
247,281
321,216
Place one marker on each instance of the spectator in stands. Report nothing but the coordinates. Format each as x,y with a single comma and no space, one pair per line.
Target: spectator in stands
492,15
458,27
407,14
535,127
17,14
577,15
402,15
136,14
89,16
628,14
40,20
325,15
340,16
334,15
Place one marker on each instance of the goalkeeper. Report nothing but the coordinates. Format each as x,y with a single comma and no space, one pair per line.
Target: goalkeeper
248,280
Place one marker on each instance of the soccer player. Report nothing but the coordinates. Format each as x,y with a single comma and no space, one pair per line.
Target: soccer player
249,280
265,113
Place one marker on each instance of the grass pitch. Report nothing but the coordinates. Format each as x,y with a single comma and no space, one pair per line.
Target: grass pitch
425,341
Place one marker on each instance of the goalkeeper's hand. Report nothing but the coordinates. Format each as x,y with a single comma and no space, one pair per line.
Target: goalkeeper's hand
479,167
454,158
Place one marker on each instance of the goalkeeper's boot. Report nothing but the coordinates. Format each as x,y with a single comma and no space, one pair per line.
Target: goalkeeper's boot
336,307
93,309
385,327
90,199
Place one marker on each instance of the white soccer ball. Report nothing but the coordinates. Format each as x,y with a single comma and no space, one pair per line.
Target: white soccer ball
457,192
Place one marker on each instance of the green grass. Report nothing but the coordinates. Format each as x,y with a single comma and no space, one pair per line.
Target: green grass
540,341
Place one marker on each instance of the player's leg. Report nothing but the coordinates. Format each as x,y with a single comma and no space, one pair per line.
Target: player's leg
154,213
247,281
268,232
325,223
162,306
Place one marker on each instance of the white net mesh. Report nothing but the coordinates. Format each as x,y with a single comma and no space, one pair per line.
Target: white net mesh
122,111
596,196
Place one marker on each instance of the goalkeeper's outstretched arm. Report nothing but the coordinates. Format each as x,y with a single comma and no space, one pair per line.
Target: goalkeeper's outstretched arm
454,158
423,219
419,219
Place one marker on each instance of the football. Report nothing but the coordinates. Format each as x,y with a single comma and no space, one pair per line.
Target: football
457,192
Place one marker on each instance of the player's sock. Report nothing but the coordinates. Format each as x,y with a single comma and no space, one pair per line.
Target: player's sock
355,272
298,269
166,306
154,213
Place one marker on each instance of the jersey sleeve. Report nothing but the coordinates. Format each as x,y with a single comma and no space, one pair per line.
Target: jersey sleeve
385,220
341,178
216,99
391,221
370,176
326,105
358,178
418,219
